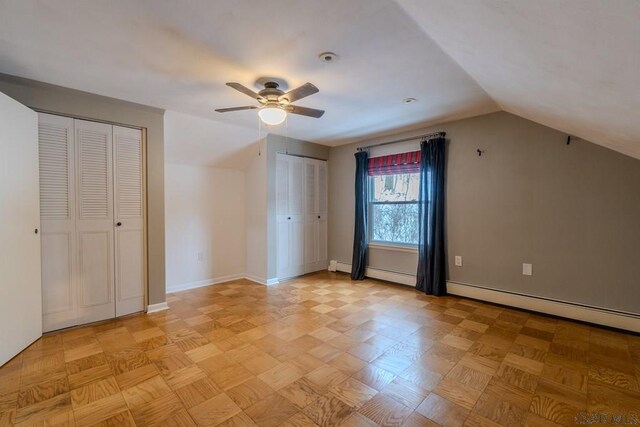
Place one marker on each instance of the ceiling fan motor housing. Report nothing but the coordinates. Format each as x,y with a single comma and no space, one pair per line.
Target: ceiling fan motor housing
271,93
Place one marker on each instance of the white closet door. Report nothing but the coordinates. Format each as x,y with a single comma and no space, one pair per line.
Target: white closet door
57,219
316,215
323,185
311,186
20,290
95,221
282,184
129,220
290,215
323,197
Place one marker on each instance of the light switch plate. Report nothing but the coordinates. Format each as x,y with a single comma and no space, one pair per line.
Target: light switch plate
458,261
527,269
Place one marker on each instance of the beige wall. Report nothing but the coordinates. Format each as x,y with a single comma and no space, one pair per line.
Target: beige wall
204,214
256,212
57,99
573,211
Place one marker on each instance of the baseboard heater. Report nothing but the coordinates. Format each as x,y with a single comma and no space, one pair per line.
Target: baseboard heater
571,311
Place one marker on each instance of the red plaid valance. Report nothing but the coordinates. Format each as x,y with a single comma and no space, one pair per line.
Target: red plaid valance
395,163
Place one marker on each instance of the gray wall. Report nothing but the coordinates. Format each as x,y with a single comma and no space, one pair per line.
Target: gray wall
57,99
573,211
279,144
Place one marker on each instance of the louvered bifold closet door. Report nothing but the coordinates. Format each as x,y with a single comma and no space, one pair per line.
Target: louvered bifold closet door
323,197
95,221
311,214
129,220
315,215
57,222
290,215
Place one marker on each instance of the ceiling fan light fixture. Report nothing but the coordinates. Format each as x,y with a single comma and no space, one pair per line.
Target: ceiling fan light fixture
272,115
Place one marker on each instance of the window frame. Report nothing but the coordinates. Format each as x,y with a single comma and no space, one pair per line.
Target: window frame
370,203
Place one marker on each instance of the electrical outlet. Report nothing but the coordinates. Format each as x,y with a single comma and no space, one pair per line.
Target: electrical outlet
458,261
527,269
200,256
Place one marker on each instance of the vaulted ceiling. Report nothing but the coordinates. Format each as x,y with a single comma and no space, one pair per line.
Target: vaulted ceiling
572,65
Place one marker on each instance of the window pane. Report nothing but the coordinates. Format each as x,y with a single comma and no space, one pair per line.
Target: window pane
395,188
395,223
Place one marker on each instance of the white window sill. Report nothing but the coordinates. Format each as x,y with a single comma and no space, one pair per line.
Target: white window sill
394,248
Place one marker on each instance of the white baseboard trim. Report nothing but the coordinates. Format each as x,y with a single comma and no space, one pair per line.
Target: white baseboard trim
261,280
572,311
153,308
203,283
596,315
389,276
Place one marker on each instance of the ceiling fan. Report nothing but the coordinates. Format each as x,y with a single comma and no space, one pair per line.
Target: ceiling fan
275,103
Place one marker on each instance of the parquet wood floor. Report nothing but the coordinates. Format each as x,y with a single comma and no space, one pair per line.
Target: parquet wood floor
323,351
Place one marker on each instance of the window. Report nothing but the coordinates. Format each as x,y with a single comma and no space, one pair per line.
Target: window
393,208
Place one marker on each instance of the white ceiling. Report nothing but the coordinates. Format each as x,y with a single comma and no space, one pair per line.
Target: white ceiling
573,65
178,55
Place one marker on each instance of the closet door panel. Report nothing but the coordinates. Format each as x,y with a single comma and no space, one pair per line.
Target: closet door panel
57,221
129,220
58,292
322,188
322,243
282,238
282,184
310,186
296,185
94,225
95,268
296,246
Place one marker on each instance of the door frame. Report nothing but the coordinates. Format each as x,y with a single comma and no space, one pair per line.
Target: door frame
145,217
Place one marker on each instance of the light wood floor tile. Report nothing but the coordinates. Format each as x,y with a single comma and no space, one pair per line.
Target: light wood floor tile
94,391
353,392
315,350
300,392
146,391
214,411
99,410
328,410
249,392
442,411
271,411
197,392
385,411
281,375
158,411
42,410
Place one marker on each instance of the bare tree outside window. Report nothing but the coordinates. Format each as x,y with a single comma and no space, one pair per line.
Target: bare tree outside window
393,205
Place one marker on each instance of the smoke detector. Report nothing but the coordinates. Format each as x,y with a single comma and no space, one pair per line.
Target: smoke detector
328,57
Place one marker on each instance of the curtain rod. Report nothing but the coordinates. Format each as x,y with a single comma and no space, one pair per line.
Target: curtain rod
403,140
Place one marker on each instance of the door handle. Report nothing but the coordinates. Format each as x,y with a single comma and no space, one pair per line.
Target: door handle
118,224
36,231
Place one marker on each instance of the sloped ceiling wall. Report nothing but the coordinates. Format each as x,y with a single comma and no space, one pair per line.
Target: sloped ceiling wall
573,65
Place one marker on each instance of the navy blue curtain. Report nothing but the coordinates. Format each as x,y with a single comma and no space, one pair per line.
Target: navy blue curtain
431,275
359,261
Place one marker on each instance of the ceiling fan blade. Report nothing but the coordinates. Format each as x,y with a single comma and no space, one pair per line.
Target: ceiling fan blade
304,111
299,92
244,89
226,110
